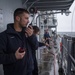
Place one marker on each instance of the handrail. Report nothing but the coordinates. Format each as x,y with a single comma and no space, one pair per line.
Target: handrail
65,48
71,57
73,60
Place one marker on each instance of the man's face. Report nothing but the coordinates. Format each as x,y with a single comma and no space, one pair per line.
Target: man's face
46,31
24,19
38,33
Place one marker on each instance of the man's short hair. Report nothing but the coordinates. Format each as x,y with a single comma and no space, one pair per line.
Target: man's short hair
36,29
20,11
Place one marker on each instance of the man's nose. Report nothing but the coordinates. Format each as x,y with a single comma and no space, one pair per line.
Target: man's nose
28,21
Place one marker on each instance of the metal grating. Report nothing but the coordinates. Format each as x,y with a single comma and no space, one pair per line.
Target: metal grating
45,5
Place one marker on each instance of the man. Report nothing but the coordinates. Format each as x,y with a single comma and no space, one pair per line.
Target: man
16,44
35,71
36,32
46,36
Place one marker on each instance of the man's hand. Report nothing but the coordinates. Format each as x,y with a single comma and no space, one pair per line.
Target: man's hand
29,30
18,54
47,44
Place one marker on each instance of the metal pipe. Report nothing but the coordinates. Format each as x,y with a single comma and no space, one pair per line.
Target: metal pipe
73,60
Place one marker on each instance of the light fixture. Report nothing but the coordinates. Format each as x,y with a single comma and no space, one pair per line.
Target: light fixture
67,12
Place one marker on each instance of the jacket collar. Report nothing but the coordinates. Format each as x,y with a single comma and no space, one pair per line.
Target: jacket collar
11,30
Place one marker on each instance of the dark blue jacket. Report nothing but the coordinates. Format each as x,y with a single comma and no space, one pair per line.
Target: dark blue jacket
10,41
46,35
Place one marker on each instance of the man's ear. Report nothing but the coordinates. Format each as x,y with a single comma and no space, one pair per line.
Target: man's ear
17,18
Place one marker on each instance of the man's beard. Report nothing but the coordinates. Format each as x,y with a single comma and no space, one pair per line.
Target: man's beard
21,26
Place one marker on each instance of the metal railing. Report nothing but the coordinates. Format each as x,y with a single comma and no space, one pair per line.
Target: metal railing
46,61
67,55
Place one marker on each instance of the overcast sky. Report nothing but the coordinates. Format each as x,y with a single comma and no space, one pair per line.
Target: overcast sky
67,23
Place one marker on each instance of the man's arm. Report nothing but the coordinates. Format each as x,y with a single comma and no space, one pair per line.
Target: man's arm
32,39
33,42
41,44
4,57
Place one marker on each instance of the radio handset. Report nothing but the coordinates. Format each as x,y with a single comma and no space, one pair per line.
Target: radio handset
24,28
